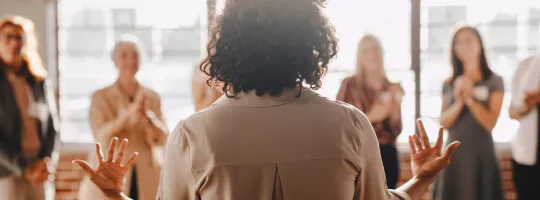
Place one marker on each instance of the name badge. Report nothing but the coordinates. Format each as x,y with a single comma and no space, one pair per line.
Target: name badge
481,93
39,110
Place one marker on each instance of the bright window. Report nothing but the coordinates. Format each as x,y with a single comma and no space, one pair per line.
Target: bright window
174,33
510,30
171,32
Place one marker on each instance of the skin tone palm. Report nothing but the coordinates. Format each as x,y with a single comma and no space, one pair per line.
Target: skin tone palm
110,173
426,162
12,43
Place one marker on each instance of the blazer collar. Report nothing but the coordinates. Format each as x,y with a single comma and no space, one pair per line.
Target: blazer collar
250,99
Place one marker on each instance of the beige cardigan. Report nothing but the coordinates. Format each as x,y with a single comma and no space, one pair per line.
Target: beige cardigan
273,148
107,104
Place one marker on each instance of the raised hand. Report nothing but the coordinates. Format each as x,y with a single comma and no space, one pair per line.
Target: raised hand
427,161
109,175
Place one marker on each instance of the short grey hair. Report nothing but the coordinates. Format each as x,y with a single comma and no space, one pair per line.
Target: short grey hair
127,39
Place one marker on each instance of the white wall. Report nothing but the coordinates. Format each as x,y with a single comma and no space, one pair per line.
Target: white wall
42,12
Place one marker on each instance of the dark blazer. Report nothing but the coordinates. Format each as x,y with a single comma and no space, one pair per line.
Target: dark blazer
12,160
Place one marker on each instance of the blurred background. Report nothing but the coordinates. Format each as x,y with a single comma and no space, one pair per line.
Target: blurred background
76,37
173,34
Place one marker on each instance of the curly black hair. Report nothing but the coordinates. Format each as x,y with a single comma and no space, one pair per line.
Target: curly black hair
269,45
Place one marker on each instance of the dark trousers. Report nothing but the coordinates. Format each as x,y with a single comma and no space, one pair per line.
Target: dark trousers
390,161
526,181
134,191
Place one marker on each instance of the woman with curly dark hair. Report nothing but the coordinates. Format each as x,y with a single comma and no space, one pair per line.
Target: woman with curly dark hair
272,136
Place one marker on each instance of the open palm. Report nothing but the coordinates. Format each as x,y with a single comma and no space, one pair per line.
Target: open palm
427,161
109,175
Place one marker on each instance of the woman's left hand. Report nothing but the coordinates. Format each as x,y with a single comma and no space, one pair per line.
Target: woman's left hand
110,174
427,161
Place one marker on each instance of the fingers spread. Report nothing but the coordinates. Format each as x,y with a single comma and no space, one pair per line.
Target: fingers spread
439,143
120,155
85,166
450,148
112,147
417,142
99,152
130,161
423,134
411,145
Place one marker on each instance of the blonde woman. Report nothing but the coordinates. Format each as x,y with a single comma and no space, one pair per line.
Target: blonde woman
370,91
27,133
126,109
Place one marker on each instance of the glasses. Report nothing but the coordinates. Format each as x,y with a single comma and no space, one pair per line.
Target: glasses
8,37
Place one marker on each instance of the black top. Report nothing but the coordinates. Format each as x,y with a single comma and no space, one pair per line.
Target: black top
13,159
538,124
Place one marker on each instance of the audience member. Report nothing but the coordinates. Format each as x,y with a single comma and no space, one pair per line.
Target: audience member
370,91
126,109
28,134
525,147
472,99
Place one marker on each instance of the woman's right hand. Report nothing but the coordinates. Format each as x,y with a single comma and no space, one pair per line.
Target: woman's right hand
427,161
109,175
379,112
136,110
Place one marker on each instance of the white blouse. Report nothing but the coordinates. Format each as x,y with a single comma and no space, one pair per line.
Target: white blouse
526,78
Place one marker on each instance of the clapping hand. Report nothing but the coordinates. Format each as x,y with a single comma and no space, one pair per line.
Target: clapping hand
109,175
532,98
39,171
427,161
463,88
136,110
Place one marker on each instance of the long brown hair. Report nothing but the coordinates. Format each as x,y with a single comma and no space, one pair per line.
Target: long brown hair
29,52
457,64
360,68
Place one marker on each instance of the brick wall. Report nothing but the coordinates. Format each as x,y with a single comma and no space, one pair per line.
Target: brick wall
69,175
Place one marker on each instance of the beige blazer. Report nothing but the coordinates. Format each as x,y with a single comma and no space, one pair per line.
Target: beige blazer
107,105
273,148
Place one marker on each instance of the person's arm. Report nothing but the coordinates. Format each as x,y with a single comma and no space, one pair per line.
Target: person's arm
198,90
155,126
51,143
426,163
110,173
371,182
449,112
342,90
177,178
487,116
517,113
395,123
101,127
